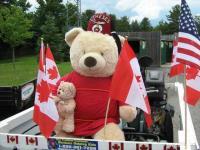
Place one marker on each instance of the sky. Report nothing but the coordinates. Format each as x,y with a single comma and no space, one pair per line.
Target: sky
155,10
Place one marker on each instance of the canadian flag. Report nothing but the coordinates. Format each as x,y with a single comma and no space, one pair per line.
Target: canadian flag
127,83
116,146
12,139
31,141
45,112
192,77
143,147
176,67
51,69
171,147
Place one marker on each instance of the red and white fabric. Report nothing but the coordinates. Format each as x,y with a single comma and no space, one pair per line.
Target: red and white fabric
188,51
142,146
192,78
127,83
51,69
176,67
192,85
12,139
31,140
45,112
116,146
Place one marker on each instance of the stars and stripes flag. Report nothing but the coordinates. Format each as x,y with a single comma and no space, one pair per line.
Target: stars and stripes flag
127,84
186,51
176,67
45,112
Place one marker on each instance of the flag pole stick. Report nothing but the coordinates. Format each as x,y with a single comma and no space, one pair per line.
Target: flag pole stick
185,98
106,116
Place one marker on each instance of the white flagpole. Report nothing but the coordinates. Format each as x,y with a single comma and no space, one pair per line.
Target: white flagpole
185,98
106,117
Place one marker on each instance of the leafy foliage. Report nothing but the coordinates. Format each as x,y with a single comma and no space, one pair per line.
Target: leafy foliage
197,20
135,26
145,25
122,24
53,18
14,26
173,19
85,17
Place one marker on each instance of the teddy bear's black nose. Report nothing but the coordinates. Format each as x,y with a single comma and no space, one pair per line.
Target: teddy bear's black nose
90,61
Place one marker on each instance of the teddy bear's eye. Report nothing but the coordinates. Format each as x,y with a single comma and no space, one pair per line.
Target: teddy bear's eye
101,53
83,51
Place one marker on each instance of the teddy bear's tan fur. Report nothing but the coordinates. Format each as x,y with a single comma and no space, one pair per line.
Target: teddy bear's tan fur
102,48
65,104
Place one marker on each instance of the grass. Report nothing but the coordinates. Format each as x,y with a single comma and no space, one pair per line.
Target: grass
26,69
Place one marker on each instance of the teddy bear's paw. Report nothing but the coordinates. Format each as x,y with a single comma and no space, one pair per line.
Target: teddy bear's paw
68,128
56,99
110,132
127,112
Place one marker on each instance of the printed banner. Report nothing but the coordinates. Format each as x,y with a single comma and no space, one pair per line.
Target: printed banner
68,144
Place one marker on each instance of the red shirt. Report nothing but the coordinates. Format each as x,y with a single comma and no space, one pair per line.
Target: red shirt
91,101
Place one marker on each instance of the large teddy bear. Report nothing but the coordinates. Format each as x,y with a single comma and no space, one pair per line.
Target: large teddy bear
93,56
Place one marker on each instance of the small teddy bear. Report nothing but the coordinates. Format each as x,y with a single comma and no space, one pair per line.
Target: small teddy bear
65,104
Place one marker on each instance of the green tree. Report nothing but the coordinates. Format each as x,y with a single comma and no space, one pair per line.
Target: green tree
173,19
50,22
135,26
85,17
14,27
163,27
122,24
19,3
52,36
114,21
72,19
145,24
197,21
53,8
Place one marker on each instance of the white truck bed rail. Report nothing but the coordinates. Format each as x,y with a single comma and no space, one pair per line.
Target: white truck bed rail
18,141
20,132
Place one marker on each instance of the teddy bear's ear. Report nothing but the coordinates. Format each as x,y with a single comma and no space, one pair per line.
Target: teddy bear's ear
71,35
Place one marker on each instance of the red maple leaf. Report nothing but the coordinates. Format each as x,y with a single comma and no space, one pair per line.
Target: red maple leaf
191,73
31,140
12,138
143,147
44,91
53,74
138,78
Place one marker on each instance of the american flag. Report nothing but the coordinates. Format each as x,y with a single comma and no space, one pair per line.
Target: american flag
188,39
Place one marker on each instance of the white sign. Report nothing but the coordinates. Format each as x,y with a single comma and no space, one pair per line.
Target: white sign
27,91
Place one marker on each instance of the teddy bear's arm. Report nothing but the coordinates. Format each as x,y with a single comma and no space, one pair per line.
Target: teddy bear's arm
56,99
70,106
127,113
